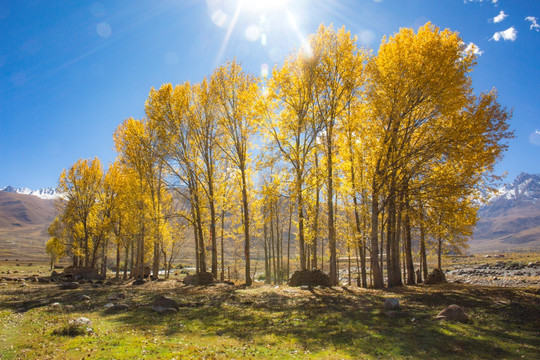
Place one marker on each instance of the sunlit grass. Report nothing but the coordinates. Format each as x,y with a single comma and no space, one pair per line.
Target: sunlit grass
223,322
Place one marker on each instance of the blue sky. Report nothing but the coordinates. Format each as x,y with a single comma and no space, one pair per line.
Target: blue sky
71,71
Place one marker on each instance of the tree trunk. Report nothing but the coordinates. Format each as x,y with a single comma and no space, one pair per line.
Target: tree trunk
333,273
222,249
423,257
378,282
408,248
246,227
289,244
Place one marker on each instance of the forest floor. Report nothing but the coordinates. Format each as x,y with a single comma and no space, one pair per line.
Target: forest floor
223,321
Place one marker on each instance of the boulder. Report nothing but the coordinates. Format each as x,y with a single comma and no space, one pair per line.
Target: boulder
453,313
391,304
69,286
203,278
162,310
116,307
116,297
436,277
309,278
86,273
164,302
81,321
145,274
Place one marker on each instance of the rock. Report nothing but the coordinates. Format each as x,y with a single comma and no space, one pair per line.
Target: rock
138,282
84,298
3,283
116,307
164,302
436,277
55,305
86,273
69,286
305,287
203,278
163,310
81,321
309,278
453,313
391,304
79,326
115,297
146,272
23,285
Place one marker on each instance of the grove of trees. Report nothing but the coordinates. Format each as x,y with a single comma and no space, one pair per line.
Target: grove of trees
341,154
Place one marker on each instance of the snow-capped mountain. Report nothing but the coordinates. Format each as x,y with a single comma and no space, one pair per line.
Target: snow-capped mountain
511,219
45,193
523,191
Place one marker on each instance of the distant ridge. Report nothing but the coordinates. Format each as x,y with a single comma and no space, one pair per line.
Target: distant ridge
24,220
511,219
44,193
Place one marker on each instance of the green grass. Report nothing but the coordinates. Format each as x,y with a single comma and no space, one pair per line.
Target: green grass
222,322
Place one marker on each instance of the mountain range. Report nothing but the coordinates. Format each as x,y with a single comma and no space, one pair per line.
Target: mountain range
45,193
510,221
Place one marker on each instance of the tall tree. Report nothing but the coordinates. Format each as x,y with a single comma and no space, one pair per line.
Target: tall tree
235,94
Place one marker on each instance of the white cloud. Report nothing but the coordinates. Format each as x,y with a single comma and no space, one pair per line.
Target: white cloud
508,34
472,47
494,2
534,138
534,24
499,18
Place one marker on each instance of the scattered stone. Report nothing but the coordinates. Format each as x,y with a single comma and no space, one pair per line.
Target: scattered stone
23,285
453,313
203,278
86,273
146,272
55,305
391,304
305,287
69,286
3,283
164,302
84,298
436,277
309,278
116,307
116,297
162,310
108,305
81,321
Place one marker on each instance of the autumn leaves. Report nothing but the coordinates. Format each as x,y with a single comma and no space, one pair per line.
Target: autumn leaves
378,150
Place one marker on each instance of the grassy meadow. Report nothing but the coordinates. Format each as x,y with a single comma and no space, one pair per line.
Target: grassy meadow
225,321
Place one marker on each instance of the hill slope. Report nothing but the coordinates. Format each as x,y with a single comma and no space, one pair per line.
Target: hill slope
24,220
511,220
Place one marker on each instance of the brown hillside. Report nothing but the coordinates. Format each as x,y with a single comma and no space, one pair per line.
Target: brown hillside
24,220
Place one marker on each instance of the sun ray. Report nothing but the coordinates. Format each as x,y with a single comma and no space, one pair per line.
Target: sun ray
225,41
